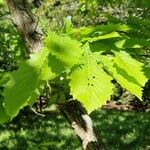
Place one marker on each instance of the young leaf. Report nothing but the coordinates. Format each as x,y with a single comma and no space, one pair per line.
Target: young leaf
68,26
90,84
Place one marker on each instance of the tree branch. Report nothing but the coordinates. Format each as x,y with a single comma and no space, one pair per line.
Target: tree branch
76,115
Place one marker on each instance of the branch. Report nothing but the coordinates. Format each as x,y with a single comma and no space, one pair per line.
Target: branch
39,114
76,115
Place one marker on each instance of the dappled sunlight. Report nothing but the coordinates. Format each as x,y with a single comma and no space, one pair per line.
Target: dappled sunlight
117,128
34,132
123,128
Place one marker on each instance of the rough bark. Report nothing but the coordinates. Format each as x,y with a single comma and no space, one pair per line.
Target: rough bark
26,24
75,114
80,121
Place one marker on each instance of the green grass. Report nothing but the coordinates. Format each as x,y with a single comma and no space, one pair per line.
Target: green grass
119,130
122,130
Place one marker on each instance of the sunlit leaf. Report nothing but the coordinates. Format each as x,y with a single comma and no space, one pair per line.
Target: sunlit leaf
102,37
127,71
90,84
91,31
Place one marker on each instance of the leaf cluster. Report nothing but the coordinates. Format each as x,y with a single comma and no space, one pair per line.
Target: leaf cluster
90,58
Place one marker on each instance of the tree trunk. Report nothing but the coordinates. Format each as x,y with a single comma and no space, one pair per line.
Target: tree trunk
75,114
26,24
80,121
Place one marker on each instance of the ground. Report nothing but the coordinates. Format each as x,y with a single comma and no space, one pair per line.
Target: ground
120,130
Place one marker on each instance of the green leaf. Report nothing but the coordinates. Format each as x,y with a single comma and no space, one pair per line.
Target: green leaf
146,4
25,81
3,115
3,79
133,43
127,71
90,31
102,37
132,66
105,45
35,94
139,22
140,27
19,88
90,84
146,71
56,65
64,48
46,71
2,2
68,26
